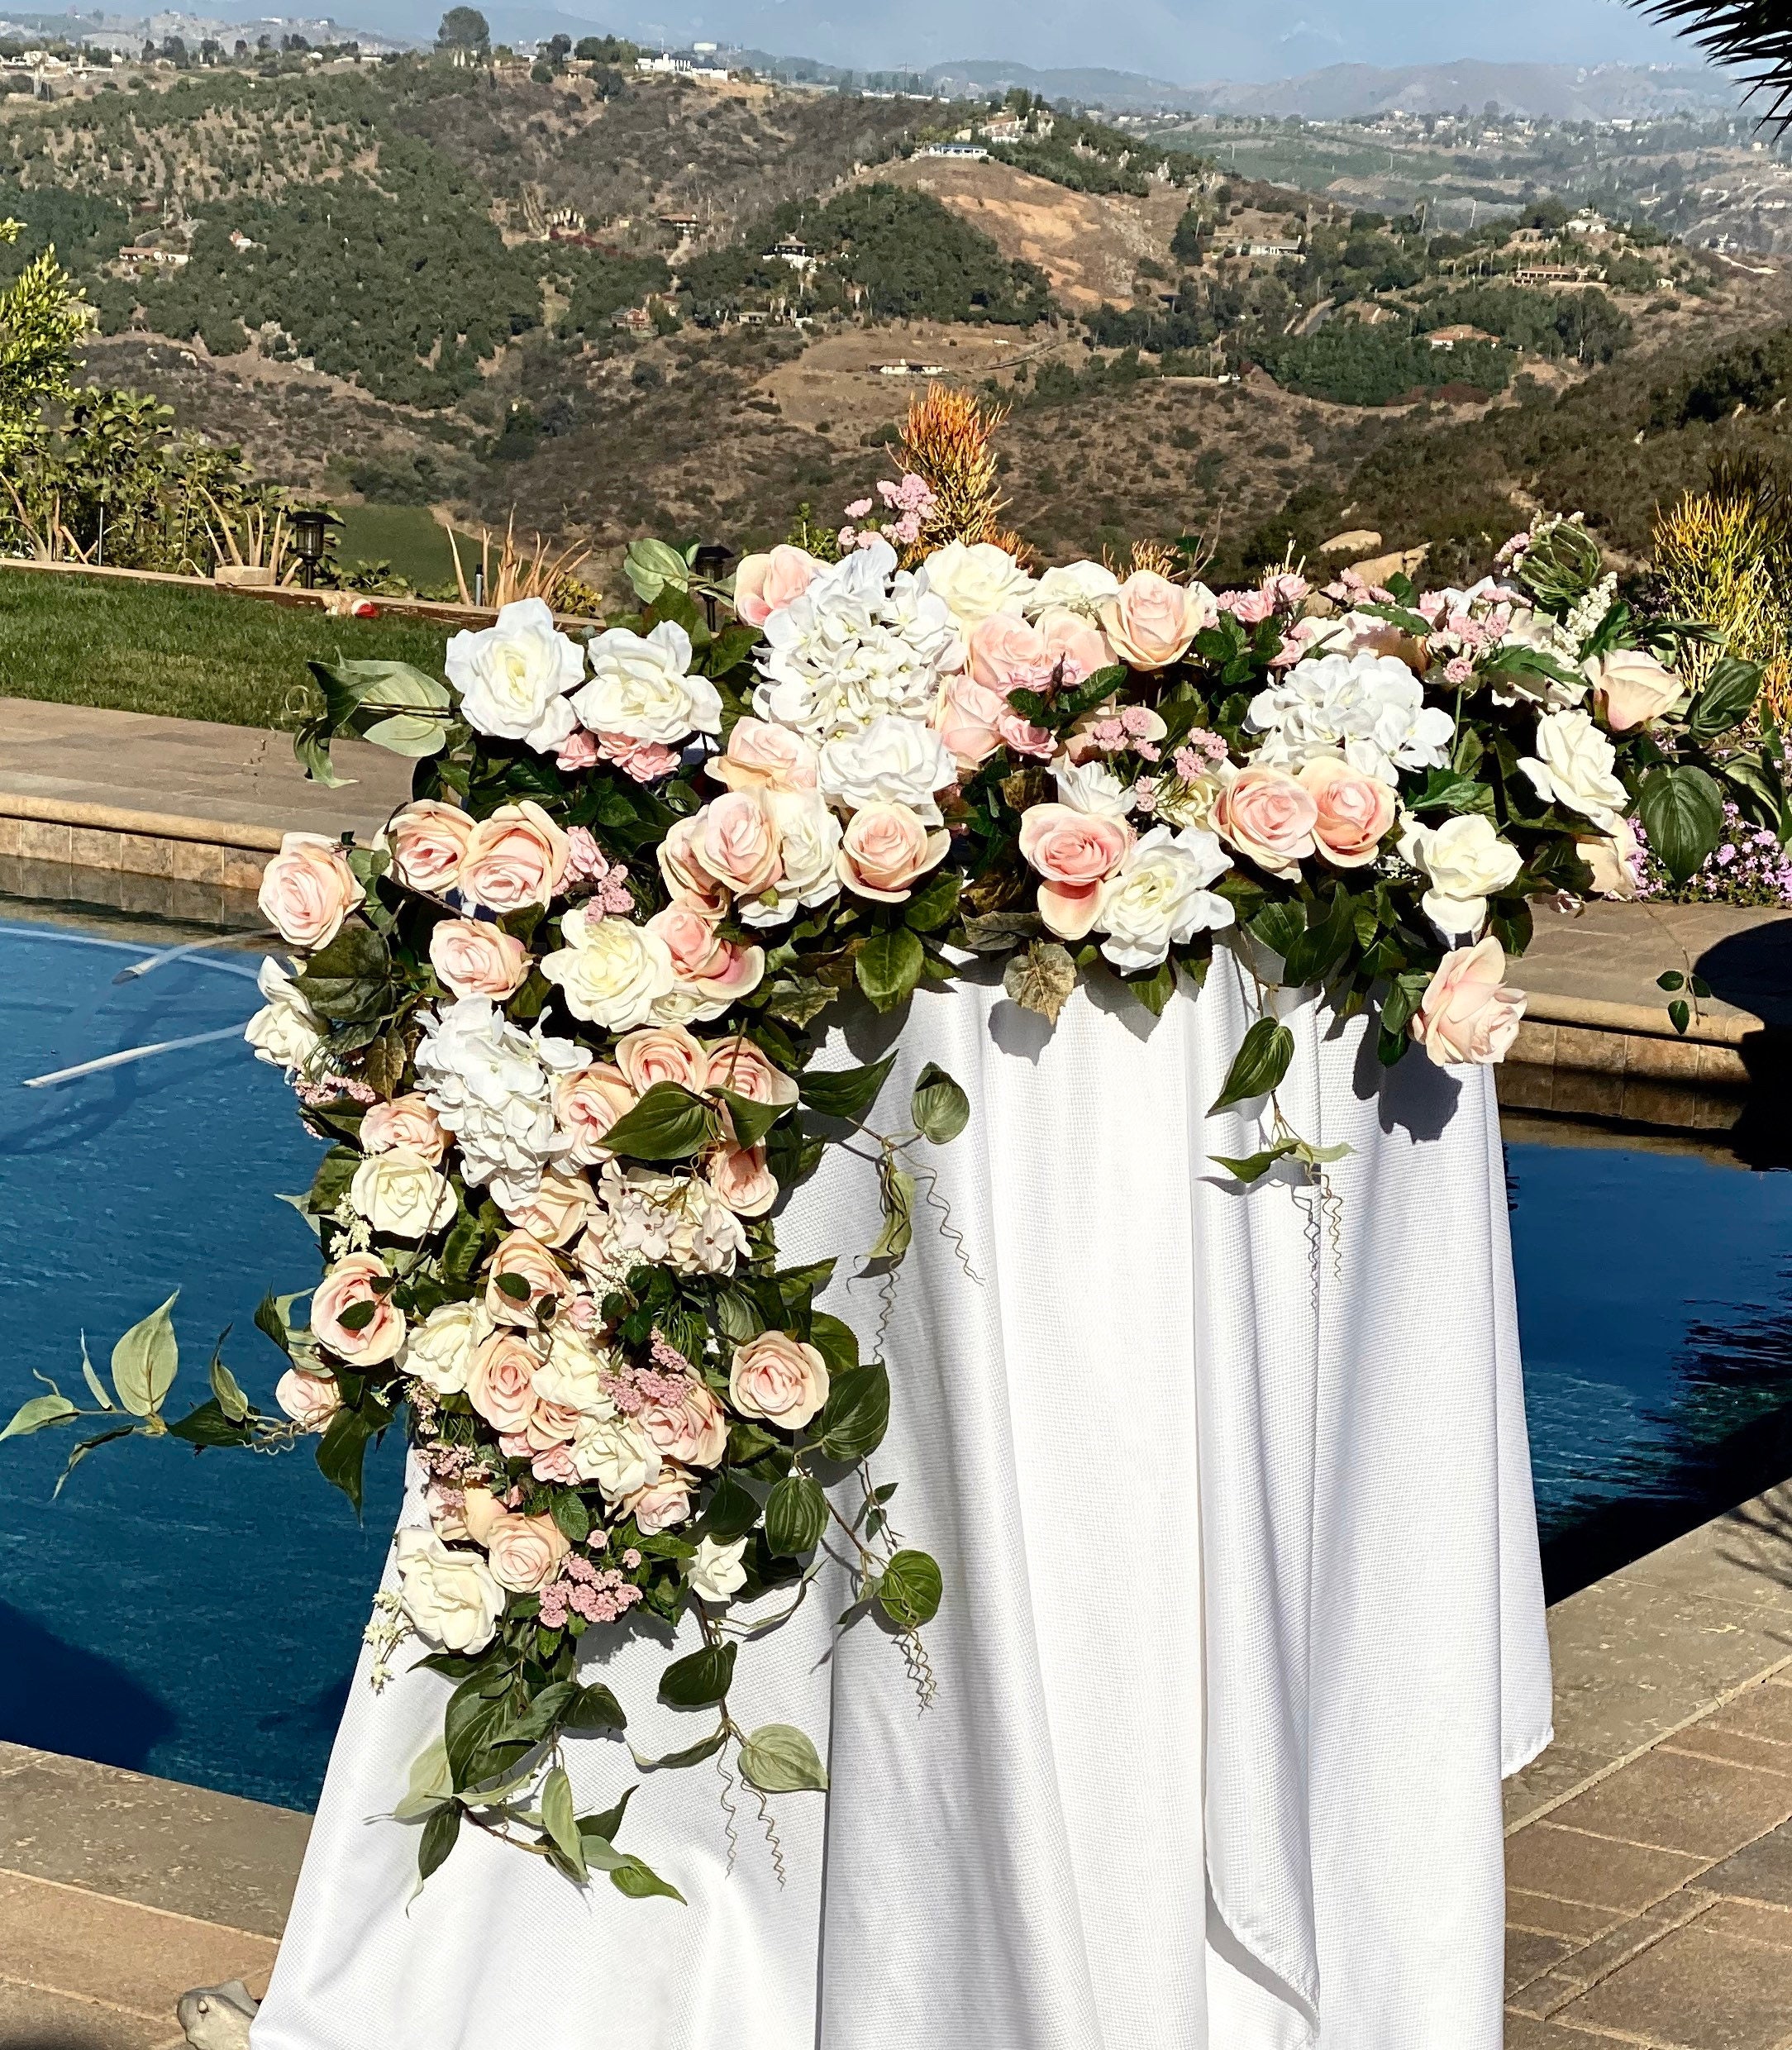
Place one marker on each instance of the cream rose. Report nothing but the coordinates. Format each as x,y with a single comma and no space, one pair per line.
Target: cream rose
572,1374
615,1454
400,1195
642,686
737,1065
521,1258
452,1597
285,1032
1268,817
1150,622
808,839
1574,765
976,578
1073,852
1355,812
1614,861
1466,1014
1160,898
694,1430
501,1381
739,1176
474,958
586,1104
891,761
764,584
759,757
1076,587
517,856
525,1551
353,1290
717,1571
558,1212
1630,687
1465,862
440,1352
662,1053
309,1399
611,971
427,842
777,1379
307,889
886,850
662,1504
513,676
407,1121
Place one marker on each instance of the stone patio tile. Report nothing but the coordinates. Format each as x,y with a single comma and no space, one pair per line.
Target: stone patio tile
1708,1740
1524,2031
1559,1772
1528,1956
1762,1870
30,2020
1569,1866
1749,1919
1545,1917
1675,1802
63,1940
1696,1990
1764,1712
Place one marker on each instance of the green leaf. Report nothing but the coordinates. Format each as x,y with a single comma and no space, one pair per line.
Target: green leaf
609,1823
1247,1168
751,1121
144,1361
733,1510
96,1386
560,1818
86,1445
779,1759
692,1754
639,1880
1725,698
1680,1014
934,902
1682,813
844,1092
704,1676
431,1784
270,1320
571,1518
1673,979
1040,979
206,1424
230,1398
1155,991
343,1451
909,1590
37,1414
594,1708
834,1340
851,1427
1278,926
439,1832
939,1107
796,1516
1260,1063
896,1187
349,980
651,565
889,967
669,1124
1330,925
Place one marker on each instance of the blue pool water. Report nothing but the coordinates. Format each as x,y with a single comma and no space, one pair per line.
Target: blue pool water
197,1615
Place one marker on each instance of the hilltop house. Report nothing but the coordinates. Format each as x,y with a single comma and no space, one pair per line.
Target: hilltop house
1556,275
1448,337
968,152
792,250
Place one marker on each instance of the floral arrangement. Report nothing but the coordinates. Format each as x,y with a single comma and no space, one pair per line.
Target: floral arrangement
559,1023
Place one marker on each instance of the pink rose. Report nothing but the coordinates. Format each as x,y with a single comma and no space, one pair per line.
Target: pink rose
662,1053
739,1176
474,958
1268,817
737,1065
720,970
525,1551
662,1503
587,1104
427,841
309,1399
1007,654
764,757
514,857
779,1380
501,1386
681,864
578,750
885,849
1073,854
375,1330
551,1423
738,843
1630,687
692,1430
1150,621
307,889
558,1211
968,720
1070,639
644,762
1464,1013
764,584
1355,812
407,1121
521,1257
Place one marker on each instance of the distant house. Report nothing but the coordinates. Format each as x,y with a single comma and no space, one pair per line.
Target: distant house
1588,225
1005,128
1266,248
902,367
238,242
791,249
166,259
566,220
1448,337
634,320
1556,275
968,152
685,223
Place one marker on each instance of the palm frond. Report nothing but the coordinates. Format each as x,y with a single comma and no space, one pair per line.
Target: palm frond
1753,36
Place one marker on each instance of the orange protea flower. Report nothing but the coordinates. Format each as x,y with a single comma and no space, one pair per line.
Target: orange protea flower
945,442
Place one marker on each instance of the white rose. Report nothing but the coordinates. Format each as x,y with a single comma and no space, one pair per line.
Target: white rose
642,687
451,1597
284,1031
612,972
616,1454
809,836
892,762
1078,587
1092,787
399,1193
717,1571
1573,766
976,580
440,1352
1614,861
1465,862
513,677
573,1373
1160,895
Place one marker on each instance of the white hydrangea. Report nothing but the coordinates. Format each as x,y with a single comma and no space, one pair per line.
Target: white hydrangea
865,638
1368,708
492,1085
649,1219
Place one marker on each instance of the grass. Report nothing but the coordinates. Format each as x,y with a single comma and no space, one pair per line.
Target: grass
405,536
189,654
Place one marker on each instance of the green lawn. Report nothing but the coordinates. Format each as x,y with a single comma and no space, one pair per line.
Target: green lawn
195,654
407,537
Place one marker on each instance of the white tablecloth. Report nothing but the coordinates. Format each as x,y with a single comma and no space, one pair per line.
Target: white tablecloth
1243,1618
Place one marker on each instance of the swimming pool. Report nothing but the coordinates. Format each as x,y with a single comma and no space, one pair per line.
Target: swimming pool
201,1623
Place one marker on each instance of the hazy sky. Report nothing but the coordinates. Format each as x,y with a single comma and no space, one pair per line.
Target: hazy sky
1183,40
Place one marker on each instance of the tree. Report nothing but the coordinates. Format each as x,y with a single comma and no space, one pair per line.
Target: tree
41,319
464,28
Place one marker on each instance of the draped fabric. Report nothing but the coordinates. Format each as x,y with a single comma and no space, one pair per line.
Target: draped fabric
1243,1618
